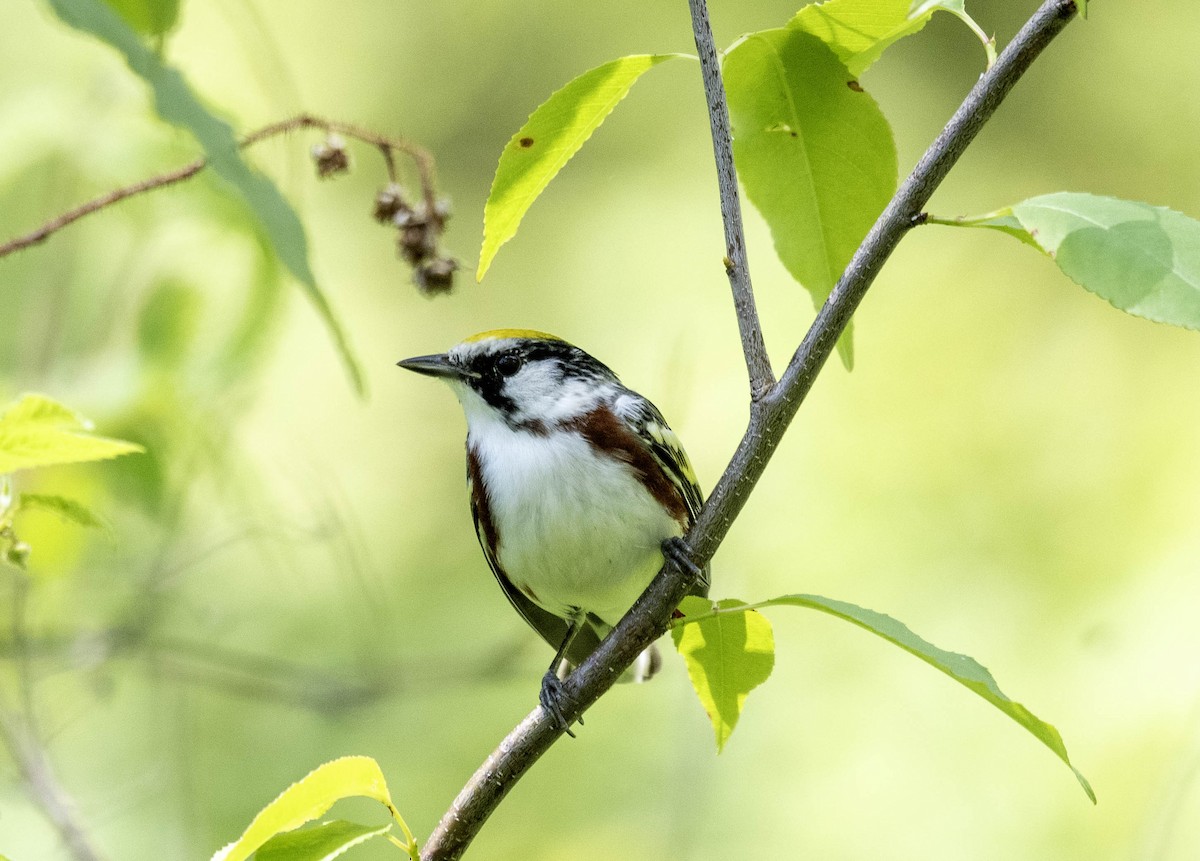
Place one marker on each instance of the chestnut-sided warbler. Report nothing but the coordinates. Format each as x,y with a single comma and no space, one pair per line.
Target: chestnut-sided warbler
577,486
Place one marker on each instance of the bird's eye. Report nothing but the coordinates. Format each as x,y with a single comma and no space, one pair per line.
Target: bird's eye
508,364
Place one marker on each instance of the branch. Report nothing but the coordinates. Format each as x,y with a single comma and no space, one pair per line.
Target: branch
18,732
767,427
422,159
647,619
43,786
737,267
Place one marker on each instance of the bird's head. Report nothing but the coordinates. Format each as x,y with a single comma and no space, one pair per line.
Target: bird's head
520,377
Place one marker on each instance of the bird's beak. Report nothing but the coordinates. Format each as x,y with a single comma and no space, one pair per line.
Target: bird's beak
437,365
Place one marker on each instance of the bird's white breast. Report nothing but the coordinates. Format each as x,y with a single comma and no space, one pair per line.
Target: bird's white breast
577,529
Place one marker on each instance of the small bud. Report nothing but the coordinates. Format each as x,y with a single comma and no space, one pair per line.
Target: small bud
390,204
18,554
436,276
442,209
417,243
331,157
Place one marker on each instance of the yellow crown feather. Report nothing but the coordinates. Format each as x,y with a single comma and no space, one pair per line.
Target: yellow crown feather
500,334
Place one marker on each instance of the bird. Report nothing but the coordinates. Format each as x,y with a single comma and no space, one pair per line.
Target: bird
578,489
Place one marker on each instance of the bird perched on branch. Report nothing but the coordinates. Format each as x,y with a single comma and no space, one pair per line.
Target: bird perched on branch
577,485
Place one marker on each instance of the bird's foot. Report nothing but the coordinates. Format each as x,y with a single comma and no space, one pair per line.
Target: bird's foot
676,550
550,698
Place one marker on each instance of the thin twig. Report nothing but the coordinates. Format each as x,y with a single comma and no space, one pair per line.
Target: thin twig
386,145
19,733
42,785
737,266
647,619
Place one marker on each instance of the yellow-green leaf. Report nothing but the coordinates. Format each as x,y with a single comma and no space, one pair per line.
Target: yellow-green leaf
550,137
148,17
727,655
322,842
311,797
38,431
963,669
815,154
70,510
859,31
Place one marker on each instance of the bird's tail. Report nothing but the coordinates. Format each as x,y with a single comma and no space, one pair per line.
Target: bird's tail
647,664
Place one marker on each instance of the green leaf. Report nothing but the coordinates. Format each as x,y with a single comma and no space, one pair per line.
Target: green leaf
177,104
727,656
550,137
37,431
68,509
859,31
148,17
323,842
1142,259
816,156
309,798
963,669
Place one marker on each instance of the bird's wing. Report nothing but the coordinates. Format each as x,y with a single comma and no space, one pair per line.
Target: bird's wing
551,628
645,420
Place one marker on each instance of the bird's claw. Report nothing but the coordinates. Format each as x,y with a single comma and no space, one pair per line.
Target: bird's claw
550,698
676,550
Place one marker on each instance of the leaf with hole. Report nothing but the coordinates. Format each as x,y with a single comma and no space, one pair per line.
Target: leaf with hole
727,656
815,154
550,137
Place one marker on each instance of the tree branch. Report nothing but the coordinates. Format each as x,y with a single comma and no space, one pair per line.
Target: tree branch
737,266
647,619
43,786
779,407
422,159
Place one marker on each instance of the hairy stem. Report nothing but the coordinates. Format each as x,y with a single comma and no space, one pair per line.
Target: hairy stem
386,145
648,617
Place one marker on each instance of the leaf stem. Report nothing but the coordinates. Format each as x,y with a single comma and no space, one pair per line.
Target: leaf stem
648,618
989,42
679,621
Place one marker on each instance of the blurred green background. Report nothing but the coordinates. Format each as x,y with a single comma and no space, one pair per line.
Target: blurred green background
1012,468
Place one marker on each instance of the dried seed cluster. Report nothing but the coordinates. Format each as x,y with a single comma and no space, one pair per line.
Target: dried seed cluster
419,226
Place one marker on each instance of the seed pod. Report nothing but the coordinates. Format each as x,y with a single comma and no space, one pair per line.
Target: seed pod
436,276
389,203
331,157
